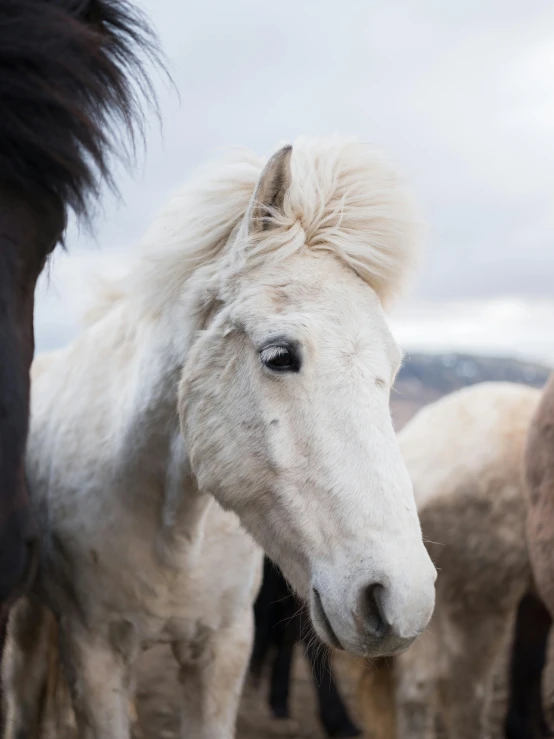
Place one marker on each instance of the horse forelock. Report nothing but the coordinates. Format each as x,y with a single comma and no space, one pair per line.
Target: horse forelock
343,198
72,72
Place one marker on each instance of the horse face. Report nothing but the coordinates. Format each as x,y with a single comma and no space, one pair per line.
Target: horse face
284,404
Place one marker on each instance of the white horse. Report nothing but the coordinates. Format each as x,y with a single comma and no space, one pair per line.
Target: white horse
258,302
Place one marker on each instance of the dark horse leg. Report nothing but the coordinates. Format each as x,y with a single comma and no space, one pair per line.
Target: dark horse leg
525,718
280,678
276,626
286,630
332,711
264,618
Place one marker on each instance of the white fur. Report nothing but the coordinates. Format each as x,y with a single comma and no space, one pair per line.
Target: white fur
139,548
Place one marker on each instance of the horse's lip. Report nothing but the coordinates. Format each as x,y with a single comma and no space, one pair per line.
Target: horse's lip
330,632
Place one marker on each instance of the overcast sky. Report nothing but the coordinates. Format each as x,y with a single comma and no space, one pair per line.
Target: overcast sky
461,96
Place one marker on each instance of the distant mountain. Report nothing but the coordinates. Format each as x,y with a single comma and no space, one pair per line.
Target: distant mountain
424,378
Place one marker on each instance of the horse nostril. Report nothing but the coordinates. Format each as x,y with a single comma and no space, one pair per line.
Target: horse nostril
372,610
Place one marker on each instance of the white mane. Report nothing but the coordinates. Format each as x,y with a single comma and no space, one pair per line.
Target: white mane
344,198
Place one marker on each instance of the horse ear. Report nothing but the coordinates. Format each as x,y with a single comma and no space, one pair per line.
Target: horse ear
269,196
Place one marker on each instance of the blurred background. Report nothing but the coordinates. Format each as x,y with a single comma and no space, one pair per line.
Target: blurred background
460,96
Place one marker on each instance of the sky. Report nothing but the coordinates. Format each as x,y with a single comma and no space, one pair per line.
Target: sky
460,96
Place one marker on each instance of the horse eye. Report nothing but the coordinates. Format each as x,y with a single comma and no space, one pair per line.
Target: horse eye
280,358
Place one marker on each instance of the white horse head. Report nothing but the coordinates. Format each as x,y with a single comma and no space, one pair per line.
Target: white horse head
284,399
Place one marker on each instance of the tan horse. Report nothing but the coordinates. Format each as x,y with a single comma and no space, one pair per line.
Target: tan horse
465,456
539,472
236,384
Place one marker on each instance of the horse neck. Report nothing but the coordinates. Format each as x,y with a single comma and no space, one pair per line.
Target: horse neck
28,229
155,358
148,454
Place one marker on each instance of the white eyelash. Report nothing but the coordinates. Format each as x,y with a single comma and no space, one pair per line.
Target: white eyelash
272,352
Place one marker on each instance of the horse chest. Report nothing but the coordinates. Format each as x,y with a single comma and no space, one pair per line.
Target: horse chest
182,597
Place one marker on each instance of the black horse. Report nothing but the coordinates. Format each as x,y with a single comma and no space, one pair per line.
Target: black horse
279,624
72,74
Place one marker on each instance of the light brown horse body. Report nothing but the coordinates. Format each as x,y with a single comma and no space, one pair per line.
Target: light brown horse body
465,456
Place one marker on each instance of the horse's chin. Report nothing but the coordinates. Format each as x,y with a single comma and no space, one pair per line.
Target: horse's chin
323,627
347,634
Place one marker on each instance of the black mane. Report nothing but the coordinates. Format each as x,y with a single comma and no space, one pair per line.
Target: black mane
71,73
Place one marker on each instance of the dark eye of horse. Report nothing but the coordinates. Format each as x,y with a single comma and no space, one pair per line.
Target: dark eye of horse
280,358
